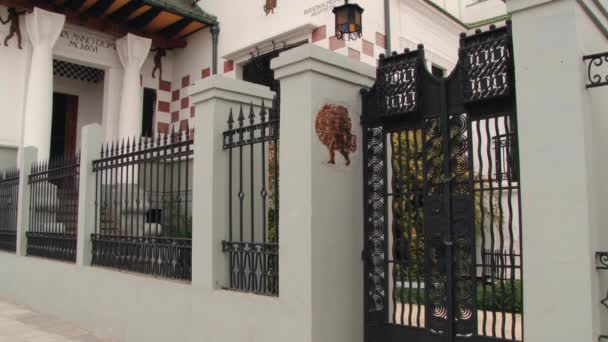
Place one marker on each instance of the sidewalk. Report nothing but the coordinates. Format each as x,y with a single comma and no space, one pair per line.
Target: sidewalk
18,324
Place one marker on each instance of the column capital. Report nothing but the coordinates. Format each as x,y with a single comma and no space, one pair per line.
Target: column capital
313,58
43,27
133,50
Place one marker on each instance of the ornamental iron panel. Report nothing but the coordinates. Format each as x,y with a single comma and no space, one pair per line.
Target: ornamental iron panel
9,195
143,205
53,212
252,246
596,77
442,225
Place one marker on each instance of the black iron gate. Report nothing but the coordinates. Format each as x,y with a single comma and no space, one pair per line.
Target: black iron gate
441,190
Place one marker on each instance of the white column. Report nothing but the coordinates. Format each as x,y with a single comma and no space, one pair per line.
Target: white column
43,29
28,157
132,52
112,90
90,149
561,302
321,220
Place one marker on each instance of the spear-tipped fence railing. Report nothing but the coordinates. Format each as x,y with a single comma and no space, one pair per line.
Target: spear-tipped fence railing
9,195
253,187
143,211
53,222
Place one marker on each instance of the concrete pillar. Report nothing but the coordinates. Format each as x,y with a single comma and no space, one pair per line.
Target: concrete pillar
43,29
132,52
214,97
90,149
28,156
112,90
321,204
560,289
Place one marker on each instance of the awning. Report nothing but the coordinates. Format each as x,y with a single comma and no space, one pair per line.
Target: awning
166,22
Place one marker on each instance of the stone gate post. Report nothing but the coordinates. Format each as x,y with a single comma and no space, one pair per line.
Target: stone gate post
321,189
563,186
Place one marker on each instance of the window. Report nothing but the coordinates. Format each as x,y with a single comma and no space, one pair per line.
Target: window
505,157
147,118
437,71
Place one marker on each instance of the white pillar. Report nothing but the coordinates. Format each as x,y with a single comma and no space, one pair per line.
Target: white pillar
43,29
554,128
321,221
112,90
90,149
215,96
132,52
28,157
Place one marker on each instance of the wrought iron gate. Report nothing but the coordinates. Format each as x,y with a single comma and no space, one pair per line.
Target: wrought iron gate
442,236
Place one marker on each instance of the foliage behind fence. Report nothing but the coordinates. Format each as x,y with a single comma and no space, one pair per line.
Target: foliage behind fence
54,208
143,211
9,195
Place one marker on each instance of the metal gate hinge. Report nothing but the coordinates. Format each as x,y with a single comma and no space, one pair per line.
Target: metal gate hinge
448,243
364,255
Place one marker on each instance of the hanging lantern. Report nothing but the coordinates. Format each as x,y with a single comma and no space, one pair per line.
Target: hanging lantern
348,21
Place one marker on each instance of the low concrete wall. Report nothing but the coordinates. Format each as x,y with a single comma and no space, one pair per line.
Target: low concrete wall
132,307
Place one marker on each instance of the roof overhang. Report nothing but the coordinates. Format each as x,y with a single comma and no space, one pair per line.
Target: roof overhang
166,22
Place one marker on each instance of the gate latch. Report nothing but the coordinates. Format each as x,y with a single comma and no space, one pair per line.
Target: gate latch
448,242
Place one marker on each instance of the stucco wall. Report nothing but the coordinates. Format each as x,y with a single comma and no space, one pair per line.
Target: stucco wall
13,68
593,41
561,133
8,157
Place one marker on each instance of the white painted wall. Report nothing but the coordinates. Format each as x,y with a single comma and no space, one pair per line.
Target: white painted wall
421,24
13,68
563,187
90,100
471,11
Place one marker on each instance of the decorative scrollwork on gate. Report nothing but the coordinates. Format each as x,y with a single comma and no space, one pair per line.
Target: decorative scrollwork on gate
459,157
375,206
434,156
486,61
601,263
397,80
594,64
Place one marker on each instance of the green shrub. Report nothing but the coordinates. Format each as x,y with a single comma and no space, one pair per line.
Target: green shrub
500,296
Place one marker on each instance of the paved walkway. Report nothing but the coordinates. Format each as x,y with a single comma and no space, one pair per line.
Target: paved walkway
18,324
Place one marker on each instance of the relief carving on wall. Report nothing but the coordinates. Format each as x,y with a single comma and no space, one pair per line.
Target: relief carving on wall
333,126
13,20
158,62
270,6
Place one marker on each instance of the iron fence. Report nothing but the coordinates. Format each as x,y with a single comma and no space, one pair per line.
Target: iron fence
9,195
143,211
253,201
54,208
499,265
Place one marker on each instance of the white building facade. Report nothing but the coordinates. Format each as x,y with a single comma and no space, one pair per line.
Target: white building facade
88,73
175,236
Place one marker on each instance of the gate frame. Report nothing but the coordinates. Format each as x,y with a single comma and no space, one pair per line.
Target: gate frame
480,86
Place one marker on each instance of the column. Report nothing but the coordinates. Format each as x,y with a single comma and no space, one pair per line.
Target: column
132,52
112,90
43,29
556,144
90,150
321,204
